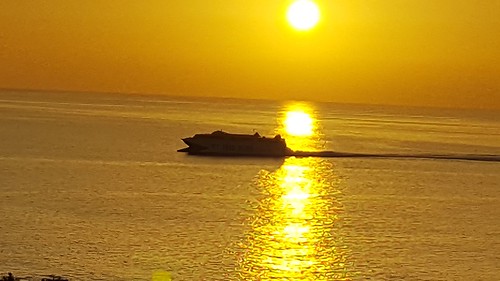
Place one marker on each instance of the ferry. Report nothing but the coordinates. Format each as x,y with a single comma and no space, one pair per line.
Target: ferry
220,143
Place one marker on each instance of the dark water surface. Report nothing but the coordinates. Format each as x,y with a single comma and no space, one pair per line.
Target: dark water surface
92,188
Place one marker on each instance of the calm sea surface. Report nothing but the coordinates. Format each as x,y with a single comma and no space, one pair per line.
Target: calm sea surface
92,188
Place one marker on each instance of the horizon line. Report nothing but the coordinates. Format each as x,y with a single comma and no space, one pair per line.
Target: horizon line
187,96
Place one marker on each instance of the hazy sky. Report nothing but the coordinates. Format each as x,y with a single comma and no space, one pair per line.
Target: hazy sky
417,52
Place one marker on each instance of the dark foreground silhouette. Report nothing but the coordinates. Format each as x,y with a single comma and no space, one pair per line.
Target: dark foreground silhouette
11,277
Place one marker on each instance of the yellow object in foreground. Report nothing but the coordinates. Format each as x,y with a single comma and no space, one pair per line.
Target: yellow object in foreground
161,276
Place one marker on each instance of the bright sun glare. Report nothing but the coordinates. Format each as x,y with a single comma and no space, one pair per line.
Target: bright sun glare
303,14
298,123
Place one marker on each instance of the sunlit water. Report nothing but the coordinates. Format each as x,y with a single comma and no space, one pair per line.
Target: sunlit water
92,188
294,233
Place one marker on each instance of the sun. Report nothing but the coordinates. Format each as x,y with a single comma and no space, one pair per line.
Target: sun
303,14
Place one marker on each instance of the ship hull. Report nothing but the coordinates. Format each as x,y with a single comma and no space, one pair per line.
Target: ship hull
224,144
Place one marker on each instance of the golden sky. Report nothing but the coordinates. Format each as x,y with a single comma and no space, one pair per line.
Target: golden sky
414,52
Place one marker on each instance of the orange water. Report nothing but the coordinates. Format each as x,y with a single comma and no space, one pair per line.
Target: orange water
92,188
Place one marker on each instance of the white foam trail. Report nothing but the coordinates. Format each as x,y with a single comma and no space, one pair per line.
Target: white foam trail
466,157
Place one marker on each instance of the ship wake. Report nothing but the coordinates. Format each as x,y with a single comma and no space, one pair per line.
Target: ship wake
336,154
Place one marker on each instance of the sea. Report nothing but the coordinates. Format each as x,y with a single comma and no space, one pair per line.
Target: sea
92,188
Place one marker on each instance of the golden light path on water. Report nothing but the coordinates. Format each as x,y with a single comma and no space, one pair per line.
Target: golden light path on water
293,232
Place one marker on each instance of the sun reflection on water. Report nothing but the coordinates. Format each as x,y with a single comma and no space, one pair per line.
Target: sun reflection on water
294,234
298,124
